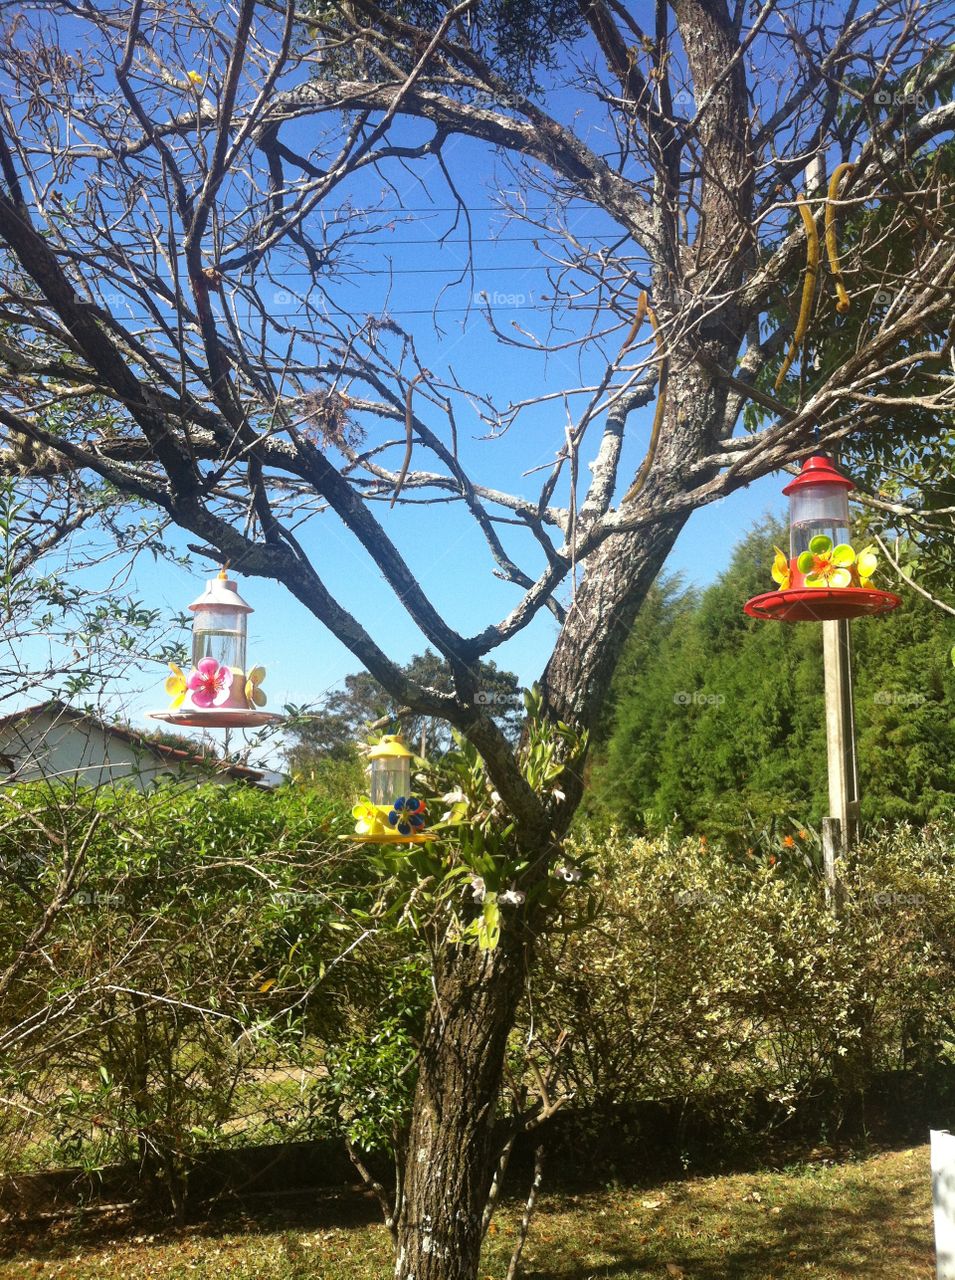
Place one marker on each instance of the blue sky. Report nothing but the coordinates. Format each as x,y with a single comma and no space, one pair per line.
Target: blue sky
407,264
304,660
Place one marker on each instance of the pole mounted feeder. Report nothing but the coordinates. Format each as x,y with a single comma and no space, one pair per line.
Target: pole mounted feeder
219,692
823,579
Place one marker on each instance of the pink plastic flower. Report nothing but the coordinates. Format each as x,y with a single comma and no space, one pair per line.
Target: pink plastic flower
210,684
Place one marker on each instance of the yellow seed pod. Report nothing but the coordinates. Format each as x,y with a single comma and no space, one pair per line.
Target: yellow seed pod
662,379
832,248
808,288
637,322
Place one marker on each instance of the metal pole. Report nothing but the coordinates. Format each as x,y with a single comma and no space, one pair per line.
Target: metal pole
840,731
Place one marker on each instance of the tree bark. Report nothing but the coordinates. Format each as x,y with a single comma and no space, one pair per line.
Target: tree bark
452,1152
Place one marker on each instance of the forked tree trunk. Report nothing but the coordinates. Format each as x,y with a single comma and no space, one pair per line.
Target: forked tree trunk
451,1151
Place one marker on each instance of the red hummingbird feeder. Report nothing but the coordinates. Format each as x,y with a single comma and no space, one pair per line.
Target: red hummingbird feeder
823,579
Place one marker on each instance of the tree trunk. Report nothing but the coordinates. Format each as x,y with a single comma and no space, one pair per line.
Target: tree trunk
451,1152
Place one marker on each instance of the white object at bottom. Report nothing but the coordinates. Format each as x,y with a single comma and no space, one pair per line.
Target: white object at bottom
943,1196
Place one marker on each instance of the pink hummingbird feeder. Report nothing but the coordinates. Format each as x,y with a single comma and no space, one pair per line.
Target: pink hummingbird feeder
823,578
219,692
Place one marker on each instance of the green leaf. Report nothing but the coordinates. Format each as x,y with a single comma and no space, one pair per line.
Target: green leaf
489,927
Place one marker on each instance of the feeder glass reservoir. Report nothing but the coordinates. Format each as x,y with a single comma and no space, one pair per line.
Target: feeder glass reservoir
389,772
818,504
219,625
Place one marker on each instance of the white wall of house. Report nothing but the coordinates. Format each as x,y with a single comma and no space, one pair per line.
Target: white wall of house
53,746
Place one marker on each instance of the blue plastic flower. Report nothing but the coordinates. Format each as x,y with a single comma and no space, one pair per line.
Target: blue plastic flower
407,814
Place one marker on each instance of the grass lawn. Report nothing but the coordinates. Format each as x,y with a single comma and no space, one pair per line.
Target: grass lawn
863,1219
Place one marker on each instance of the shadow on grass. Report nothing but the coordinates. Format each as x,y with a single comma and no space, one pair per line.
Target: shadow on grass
864,1225
868,1236
306,1211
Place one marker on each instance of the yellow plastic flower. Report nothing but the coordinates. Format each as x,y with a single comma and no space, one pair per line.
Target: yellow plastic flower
253,693
368,819
824,565
866,564
780,570
176,686
195,77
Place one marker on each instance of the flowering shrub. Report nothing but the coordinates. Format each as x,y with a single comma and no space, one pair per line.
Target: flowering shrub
704,975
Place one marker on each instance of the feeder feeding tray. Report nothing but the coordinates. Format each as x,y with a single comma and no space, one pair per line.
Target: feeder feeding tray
822,605
420,837
217,718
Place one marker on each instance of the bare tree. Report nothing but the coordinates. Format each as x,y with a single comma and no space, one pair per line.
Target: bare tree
161,183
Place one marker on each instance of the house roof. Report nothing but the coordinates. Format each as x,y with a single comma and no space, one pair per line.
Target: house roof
173,755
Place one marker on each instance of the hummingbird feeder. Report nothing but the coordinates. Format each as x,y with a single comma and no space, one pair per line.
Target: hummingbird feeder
823,578
390,814
218,693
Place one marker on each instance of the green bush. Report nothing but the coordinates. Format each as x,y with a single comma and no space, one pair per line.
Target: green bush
184,992
704,977
224,969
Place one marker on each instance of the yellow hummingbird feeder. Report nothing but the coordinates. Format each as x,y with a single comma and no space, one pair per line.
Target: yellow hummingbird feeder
390,814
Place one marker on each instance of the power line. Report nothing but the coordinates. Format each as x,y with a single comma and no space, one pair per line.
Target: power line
352,273
394,311
441,241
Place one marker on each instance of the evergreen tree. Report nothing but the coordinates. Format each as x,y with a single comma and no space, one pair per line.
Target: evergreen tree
717,720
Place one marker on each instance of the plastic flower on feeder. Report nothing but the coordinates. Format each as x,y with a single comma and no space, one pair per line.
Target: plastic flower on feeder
368,818
177,686
866,564
210,684
407,814
824,565
780,570
253,693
